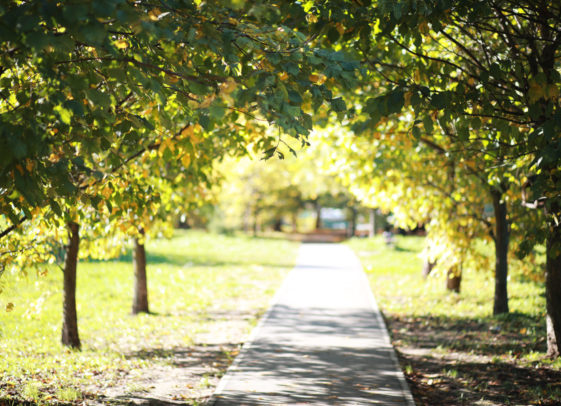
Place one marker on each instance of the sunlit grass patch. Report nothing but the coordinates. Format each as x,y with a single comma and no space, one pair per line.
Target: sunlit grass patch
195,279
396,276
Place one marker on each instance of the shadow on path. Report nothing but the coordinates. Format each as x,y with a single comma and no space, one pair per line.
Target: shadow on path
363,372
323,342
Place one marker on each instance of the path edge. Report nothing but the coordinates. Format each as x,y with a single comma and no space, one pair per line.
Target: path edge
253,335
376,310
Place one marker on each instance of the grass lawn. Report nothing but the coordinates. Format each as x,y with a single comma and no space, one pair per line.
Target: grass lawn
206,291
452,350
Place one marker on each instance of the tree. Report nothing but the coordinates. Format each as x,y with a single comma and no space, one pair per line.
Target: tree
114,78
410,182
507,78
140,298
95,87
70,319
487,74
265,191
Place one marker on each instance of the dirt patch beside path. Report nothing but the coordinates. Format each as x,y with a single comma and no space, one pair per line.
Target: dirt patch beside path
451,362
183,375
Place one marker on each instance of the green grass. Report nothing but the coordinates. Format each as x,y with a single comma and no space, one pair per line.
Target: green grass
396,277
447,341
194,279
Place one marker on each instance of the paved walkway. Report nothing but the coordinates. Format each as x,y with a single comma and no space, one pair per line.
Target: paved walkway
323,342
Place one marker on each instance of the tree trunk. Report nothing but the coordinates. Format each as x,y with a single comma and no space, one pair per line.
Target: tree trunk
553,292
454,275
354,215
427,268
295,222
318,214
140,300
247,219
372,230
501,237
277,226
454,280
69,317
255,222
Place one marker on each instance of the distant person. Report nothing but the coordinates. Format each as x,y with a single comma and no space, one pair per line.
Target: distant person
388,236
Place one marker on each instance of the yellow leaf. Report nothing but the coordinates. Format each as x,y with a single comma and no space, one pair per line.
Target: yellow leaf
319,78
121,44
9,307
229,86
186,160
207,101
196,139
187,132
283,76
312,18
340,28
154,14
407,97
106,192
166,144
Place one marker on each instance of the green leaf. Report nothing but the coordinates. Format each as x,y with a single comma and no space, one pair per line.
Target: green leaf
294,97
217,112
428,124
439,100
338,104
204,121
99,99
463,133
17,146
395,101
75,107
269,153
333,35
476,123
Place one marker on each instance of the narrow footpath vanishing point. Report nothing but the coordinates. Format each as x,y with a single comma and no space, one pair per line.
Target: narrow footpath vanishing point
322,342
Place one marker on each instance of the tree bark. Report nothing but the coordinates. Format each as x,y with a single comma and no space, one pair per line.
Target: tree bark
295,222
454,275
140,300
70,335
501,237
277,225
255,222
354,215
427,268
453,280
553,291
318,214
372,230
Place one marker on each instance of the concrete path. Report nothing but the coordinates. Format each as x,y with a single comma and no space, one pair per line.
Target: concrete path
322,342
